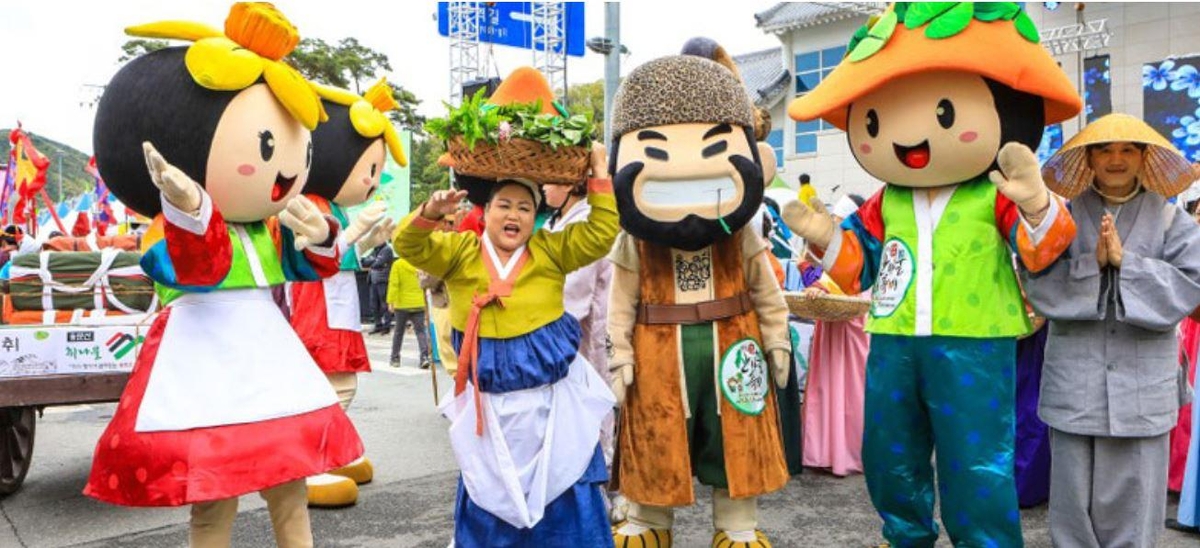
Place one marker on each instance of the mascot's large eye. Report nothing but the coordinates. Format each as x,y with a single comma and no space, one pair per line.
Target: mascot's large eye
266,145
373,168
945,113
308,155
872,123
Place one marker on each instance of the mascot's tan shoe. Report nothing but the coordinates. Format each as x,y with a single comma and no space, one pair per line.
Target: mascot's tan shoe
360,471
330,491
627,535
724,540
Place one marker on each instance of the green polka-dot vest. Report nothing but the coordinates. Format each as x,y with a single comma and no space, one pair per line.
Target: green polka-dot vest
946,269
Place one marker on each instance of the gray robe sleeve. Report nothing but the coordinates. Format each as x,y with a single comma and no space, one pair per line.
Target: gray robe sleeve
1156,293
1073,288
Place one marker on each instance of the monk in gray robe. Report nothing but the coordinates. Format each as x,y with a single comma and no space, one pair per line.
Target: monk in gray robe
1111,385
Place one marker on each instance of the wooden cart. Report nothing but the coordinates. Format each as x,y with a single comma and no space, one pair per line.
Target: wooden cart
24,396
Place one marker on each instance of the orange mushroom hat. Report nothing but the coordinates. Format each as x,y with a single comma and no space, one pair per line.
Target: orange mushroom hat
996,40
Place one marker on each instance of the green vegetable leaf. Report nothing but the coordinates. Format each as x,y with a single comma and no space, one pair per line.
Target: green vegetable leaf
920,13
951,22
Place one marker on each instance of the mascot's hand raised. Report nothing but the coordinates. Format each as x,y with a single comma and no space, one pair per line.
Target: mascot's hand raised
1020,179
622,379
305,219
179,189
380,233
781,366
364,222
811,222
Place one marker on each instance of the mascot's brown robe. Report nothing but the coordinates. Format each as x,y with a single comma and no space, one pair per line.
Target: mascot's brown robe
655,463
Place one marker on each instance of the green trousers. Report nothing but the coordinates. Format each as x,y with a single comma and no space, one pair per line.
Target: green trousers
954,396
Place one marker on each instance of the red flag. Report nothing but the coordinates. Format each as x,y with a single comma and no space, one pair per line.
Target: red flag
31,167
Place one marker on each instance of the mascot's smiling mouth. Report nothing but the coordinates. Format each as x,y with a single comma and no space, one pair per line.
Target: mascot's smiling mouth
915,157
689,192
282,186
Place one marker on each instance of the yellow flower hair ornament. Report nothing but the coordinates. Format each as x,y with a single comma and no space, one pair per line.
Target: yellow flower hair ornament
368,114
256,39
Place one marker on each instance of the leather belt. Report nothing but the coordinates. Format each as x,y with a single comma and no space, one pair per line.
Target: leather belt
707,311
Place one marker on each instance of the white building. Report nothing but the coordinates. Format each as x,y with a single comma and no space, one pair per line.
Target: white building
1136,38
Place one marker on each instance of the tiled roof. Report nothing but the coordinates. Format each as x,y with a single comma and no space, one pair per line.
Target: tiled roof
764,75
785,16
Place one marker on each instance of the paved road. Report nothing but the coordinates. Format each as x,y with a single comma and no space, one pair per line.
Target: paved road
411,500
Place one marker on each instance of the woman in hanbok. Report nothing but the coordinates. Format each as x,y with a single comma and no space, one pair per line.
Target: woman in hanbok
526,418
1112,384
833,398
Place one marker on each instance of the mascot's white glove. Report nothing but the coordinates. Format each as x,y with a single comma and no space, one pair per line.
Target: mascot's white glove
364,222
305,219
1020,179
781,366
179,189
622,379
812,222
380,233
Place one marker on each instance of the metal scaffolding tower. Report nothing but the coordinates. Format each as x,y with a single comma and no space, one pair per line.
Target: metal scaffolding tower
548,30
465,61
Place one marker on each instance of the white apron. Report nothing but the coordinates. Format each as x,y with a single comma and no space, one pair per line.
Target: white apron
229,357
536,443
341,302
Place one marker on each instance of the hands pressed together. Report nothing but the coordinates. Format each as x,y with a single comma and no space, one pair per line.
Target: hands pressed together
1108,247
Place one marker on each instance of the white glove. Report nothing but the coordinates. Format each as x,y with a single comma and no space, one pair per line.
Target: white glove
380,233
781,366
622,379
1020,178
811,222
306,221
179,189
364,222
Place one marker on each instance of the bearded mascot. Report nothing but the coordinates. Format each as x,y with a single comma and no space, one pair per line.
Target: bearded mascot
696,317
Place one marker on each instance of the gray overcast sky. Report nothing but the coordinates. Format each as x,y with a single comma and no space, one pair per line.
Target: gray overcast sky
56,49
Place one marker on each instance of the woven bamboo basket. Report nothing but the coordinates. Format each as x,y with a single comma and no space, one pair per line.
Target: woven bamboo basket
827,308
520,159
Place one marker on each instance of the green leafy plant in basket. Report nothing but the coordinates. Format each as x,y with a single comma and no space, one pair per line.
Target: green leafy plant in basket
476,121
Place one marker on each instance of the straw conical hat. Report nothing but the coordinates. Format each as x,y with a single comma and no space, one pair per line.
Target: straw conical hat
1164,171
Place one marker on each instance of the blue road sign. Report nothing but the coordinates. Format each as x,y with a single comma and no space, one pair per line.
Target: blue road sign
510,24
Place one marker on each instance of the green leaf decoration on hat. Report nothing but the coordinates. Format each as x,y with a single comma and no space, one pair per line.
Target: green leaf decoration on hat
876,37
920,13
940,19
1026,27
953,21
993,11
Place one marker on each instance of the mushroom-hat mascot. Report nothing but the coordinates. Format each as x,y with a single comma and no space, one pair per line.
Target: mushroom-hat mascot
944,103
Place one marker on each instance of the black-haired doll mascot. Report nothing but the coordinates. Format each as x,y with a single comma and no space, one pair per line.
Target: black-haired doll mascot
943,102
349,154
224,399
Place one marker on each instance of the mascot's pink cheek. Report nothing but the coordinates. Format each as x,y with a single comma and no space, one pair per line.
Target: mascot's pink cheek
968,136
864,148
246,169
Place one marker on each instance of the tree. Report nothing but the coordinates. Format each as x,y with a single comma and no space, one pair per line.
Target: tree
351,65
138,47
426,175
588,98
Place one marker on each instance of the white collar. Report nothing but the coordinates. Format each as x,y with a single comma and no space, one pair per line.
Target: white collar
502,269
